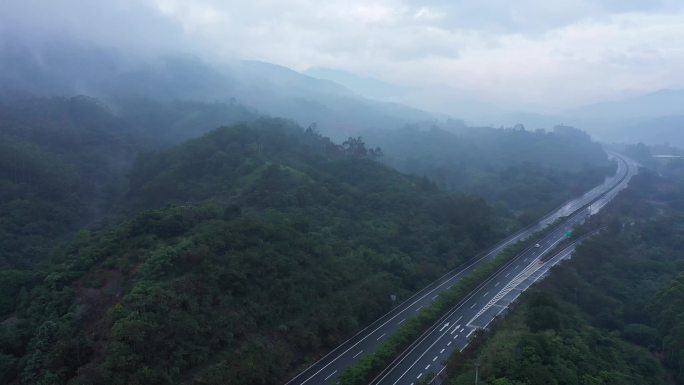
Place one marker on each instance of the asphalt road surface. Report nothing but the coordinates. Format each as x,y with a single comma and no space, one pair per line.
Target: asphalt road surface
326,370
425,359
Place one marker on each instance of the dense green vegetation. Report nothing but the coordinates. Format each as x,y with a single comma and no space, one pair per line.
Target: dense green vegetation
168,123
548,342
242,255
64,164
61,163
237,257
370,365
273,257
539,169
611,315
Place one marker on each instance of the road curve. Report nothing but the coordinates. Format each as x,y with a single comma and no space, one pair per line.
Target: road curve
426,357
326,370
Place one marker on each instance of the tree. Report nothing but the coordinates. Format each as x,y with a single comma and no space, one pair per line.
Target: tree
355,148
375,153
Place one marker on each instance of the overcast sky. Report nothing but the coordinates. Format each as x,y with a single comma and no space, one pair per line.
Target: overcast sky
533,54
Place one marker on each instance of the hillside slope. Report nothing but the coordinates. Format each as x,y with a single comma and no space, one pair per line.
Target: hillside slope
526,171
271,244
68,68
62,161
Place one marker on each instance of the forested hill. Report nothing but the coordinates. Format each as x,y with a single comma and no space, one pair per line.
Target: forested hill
539,168
273,244
62,161
260,240
65,164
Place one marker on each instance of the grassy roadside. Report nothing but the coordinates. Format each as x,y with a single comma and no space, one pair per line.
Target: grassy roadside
369,366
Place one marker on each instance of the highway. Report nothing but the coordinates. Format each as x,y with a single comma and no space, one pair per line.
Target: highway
426,357
326,370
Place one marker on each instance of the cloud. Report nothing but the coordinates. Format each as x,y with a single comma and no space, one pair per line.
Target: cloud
522,54
194,17
429,14
129,24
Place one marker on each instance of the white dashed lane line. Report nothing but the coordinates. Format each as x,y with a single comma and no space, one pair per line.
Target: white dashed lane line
330,375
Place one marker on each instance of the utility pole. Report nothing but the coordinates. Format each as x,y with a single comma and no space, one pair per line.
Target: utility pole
477,372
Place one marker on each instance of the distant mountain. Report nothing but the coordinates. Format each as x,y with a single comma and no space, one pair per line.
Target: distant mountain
660,103
337,110
280,77
665,129
366,86
55,69
443,100
653,118
530,120
66,69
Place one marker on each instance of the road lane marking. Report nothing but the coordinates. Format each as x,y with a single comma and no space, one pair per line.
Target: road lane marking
441,351
419,376
497,284
407,308
462,330
427,367
419,358
419,307
357,354
400,322
435,297
383,334
485,294
330,375
471,332
507,275
435,359
459,318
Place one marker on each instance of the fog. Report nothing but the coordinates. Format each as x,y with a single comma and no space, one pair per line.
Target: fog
306,192
494,63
